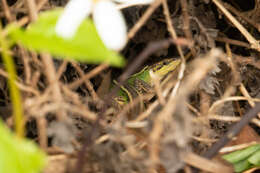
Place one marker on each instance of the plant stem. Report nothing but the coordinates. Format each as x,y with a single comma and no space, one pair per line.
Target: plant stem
14,92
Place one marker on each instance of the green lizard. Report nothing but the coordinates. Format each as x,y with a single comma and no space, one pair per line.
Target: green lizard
141,82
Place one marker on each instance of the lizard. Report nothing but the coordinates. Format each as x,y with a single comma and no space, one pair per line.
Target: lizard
141,82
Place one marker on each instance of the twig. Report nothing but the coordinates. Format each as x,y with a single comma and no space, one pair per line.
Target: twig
232,132
246,94
234,98
21,86
229,118
26,62
193,109
204,140
233,42
87,82
80,107
62,69
254,43
25,19
42,110
236,147
247,60
174,37
128,107
205,164
204,103
32,9
236,12
143,19
35,79
41,128
157,88
7,11
88,142
186,24
235,81
87,76
171,29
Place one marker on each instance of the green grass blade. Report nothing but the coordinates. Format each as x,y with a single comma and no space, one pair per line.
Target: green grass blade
241,154
242,166
14,92
255,158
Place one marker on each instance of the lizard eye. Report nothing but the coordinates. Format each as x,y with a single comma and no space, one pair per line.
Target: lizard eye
165,62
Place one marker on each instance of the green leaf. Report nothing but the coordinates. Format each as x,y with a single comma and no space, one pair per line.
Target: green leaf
241,154
19,155
242,166
255,158
85,46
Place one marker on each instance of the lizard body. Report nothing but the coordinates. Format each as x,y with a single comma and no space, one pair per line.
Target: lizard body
141,82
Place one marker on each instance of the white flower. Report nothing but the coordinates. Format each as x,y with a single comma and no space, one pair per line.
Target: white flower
108,20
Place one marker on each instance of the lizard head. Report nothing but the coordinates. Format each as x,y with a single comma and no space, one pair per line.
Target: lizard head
162,68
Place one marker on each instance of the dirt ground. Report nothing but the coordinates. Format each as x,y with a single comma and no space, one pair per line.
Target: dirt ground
69,105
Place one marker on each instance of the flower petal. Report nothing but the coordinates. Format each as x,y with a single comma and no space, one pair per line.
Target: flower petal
74,13
110,24
134,1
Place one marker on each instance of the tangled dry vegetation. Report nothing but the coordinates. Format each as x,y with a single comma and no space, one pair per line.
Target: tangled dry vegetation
68,106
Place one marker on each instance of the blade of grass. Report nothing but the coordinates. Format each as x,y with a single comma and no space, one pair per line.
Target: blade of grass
242,166
255,158
239,155
14,92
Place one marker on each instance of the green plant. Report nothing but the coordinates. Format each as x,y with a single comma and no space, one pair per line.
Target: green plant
85,46
244,159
